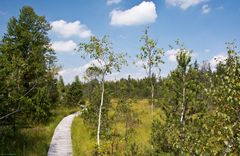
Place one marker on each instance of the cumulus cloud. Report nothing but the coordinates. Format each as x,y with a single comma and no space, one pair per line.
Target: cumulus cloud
171,55
109,2
184,4
216,60
140,14
140,63
96,63
69,73
64,46
70,29
205,9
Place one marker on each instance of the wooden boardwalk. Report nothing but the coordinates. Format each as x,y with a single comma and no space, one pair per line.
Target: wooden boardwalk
61,144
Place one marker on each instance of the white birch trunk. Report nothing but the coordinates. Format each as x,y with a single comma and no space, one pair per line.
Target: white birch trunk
99,115
182,120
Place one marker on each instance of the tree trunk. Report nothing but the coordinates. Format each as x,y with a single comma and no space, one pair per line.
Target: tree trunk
182,120
152,106
99,115
152,100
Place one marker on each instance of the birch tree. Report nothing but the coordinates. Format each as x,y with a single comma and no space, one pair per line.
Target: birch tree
105,62
183,59
151,58
225,94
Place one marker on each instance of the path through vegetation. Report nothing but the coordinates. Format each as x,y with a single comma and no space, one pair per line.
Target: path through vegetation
61,144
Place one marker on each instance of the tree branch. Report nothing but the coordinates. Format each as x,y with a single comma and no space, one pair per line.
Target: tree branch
5,116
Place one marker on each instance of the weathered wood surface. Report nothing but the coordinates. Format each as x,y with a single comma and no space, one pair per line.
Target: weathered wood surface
61,144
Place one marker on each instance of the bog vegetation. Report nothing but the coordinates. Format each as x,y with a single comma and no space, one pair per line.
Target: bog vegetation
195,110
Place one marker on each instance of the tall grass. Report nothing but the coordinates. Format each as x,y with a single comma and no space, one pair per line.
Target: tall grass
83,142
33,141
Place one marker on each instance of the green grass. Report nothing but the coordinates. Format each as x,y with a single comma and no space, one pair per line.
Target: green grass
34,141
83,142
143,131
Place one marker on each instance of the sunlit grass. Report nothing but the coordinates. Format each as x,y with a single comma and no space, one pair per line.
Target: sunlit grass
83,142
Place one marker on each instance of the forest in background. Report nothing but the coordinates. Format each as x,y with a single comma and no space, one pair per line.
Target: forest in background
195,110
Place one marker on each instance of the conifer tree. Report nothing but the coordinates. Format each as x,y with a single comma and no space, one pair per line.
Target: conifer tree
28,62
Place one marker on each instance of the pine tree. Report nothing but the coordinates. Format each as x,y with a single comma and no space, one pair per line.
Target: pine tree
62,90
74,93
28,61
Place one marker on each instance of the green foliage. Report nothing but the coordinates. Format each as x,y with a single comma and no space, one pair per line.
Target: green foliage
108,61
114,143
62,90
41,107
212,124
90,115
151,59
183,59
225,95
82,140
197,110
101,50
32,140
125,114
27,83
134,150
74,93
28,61
150,55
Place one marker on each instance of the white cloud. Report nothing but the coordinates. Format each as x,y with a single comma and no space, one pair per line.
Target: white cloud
140,14
109,2
94,63
217,59
171,55
69,29
64,46
70,73
140,63
184,4
205,9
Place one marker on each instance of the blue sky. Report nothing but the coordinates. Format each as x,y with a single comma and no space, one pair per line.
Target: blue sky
203,25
